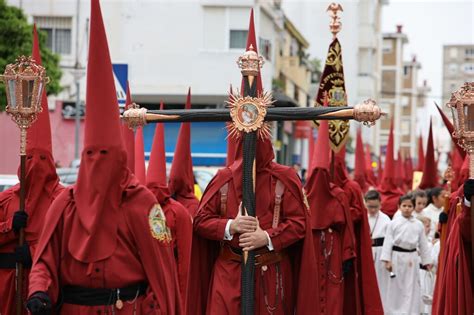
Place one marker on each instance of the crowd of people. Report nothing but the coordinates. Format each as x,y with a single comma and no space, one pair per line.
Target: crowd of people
127,240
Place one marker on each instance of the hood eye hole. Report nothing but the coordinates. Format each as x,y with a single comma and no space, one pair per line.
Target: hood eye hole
29,157
103,151
89,152
42,157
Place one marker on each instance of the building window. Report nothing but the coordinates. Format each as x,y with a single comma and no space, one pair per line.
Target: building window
387,46
59,33
453,68
406,70
469,52
265,48
453,53
468,68
293,47
238,39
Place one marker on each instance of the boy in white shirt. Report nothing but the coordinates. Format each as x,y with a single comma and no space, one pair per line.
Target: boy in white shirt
378,222
404,236
437,199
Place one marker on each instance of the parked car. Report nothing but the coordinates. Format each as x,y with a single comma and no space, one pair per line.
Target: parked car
67,176
7,181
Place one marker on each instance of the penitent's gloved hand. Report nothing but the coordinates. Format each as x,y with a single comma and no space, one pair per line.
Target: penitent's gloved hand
39,304
19,220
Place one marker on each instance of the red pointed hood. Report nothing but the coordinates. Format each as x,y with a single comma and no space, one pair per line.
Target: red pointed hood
340,171
41,179
359,171
140,172
321,150
379,170
389,190
430,171
400,175
408,168
181,182
39,134
421,155
156,174
252,41
369,170
103,174
129,137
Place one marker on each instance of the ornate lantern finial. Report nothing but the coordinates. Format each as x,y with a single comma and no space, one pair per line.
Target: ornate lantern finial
462,107
25,81
367,112
250,62
134,116
335,24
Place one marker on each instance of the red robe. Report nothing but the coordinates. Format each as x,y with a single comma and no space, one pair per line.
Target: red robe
138,257
292,235
181,225
362,294
454,290
333,240
39,196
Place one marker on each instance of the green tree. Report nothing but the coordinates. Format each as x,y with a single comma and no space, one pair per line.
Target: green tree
16,38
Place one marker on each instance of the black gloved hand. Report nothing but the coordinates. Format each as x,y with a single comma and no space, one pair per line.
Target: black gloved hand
19,220
443,217
23,255
469,189
39,304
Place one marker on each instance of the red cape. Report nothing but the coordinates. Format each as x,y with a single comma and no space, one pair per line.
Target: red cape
204,252
453,292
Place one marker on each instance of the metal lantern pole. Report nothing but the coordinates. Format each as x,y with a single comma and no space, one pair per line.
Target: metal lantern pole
25,81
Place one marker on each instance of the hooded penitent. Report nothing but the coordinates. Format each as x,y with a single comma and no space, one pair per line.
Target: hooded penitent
219,280
408,168
178,218
361,294
430,170
389,190
41,186
108,228
360,175
181,182
331,225
129,137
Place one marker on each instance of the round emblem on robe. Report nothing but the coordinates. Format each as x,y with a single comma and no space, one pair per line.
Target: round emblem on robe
157,221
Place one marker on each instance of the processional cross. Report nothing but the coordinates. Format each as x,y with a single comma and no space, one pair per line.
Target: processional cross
249,113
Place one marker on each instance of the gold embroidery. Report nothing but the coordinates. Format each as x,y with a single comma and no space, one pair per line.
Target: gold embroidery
158,227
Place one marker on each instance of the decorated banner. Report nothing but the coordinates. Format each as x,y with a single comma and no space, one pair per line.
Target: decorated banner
332,90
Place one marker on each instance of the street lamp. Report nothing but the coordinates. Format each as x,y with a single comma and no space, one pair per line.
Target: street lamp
25,81
462,107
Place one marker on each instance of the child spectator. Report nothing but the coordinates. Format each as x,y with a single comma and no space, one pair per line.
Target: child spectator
404,236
